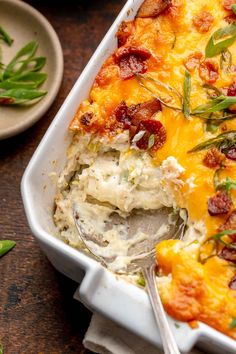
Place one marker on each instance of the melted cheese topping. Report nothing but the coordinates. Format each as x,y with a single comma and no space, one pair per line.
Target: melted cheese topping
197,291
157,35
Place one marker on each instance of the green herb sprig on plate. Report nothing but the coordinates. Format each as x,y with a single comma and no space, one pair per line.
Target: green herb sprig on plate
20,79
5,37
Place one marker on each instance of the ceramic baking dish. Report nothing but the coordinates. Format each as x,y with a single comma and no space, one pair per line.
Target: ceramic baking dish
99,289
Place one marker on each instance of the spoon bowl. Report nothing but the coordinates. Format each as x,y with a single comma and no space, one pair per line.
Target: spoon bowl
141,251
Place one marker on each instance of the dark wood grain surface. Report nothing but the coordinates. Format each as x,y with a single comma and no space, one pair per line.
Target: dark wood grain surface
37,312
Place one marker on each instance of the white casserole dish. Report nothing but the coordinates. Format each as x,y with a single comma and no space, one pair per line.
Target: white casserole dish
99,289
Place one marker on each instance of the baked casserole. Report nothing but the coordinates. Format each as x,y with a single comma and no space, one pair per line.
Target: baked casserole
158,129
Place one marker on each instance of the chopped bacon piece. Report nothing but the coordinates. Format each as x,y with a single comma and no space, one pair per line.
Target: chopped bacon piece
153,8
231,91
193,61
134,114
86,118
230,19
227,4
209,71
228,254
131,60
144,111
151,127
122,115
130,117
230,224
219,204
213,158
230,153
130,66
224,127
133,109
232,283
203,21
123,33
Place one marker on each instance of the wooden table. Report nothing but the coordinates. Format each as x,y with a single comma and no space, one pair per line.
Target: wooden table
37,312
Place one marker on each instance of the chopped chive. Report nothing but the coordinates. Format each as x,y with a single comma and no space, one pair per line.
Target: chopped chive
215,47
6,246
151,141
233,323
5,37
187,91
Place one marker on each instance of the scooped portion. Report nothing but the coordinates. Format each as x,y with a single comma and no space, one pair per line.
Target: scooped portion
104,177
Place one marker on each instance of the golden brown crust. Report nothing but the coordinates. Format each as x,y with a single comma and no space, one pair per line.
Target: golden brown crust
213,158
153,8
124,31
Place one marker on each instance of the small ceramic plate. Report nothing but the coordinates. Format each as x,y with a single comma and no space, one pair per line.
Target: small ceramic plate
25,24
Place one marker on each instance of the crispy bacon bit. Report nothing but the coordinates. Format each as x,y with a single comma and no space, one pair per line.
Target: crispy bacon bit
213,158
209,71
122,115
123,33
230,224
219,204
224,127
133,109
227,4
232,283
151,127
131,60
134,114
228,254
193,61
153,8
144,111
232,90
230,19
86,118
203,21
230,153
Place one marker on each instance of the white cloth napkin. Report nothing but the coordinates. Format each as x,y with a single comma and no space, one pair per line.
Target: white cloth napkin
105,337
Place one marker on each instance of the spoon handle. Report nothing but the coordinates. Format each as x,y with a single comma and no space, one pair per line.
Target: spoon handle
168,341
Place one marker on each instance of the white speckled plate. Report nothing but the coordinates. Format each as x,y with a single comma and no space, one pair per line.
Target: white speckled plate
25,24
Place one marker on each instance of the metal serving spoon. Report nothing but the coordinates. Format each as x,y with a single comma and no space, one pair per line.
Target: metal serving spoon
142,254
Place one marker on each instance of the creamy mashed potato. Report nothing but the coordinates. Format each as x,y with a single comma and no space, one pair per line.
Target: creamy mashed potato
105,176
